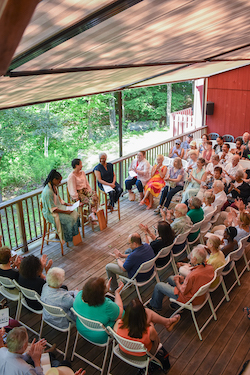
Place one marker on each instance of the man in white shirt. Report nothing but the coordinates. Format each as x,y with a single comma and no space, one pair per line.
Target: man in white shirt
232,168
219,193
140,169
225,156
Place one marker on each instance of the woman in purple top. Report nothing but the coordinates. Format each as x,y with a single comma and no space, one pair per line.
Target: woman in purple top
175,179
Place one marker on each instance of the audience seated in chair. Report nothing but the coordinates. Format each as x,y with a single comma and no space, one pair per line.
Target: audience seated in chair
105,175
177,150
219,143
215,162
246,152
139,254
56,294
9,266
182,289
181,222
229,242
92,303
138,324
208,200
155,184
219,193
196,178
142,168
186,144
192,160
202,146
175,183
165,238
15,359
238,150
79,188
55,212
246,139
31,276
196,214
225,155
208,152
193,147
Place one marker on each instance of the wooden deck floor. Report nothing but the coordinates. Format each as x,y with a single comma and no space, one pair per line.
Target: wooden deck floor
225,345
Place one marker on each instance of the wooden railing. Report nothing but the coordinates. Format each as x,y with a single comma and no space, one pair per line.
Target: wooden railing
20,218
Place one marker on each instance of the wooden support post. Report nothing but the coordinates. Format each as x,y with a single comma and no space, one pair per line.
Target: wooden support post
120,136
21,225
14,18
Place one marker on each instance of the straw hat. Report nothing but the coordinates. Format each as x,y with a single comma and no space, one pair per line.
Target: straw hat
61,370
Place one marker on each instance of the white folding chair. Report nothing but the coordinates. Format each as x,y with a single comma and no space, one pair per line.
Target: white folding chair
8,290
206,225
164,253
194,229
220,281
97,327
33,296
181,243
57,312
133,347
245,164
204,290
144,268
168,161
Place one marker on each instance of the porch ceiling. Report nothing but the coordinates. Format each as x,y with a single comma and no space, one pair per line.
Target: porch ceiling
110,45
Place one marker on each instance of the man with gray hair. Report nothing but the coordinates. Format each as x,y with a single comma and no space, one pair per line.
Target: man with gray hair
219,193
13,360
232,168
181,222
182,289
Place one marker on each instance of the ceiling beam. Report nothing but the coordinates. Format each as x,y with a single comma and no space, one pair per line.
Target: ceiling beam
86,23
14,18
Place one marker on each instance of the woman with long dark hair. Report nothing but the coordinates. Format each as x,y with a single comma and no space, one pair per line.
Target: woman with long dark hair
55,209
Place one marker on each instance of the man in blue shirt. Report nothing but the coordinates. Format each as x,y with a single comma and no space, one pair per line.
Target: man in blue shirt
128,264
186,143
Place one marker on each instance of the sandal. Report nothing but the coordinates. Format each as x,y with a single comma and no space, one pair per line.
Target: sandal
247,310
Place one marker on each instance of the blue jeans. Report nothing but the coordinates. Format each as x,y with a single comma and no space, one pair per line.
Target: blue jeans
134,181
161,290
168,193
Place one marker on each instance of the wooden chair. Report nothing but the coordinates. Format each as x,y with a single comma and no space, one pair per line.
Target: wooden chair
47,230
102,194
81,213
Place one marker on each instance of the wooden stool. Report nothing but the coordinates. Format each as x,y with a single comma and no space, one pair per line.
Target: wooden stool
47,230
102,193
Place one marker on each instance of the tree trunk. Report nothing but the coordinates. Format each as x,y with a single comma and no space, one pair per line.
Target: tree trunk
46,146
112,117
169,92
90,130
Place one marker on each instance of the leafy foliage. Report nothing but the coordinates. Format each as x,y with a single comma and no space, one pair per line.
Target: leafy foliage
69,126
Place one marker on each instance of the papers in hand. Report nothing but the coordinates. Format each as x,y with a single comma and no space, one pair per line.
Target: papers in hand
132,174
4,317
107,188
73,207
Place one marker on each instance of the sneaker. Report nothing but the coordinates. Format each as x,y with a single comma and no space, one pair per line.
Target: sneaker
157,210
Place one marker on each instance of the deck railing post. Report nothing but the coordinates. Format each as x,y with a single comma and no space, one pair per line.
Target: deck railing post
21,225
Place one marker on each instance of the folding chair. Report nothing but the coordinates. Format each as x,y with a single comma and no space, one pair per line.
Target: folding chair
144,268
180,246
163,253
206,225
220,281
97,327
8,290
194,229
103,194
131,346
228,138
32,295
57,312
204,290
213,136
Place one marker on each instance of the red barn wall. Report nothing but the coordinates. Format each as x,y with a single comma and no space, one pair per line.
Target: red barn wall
230,92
